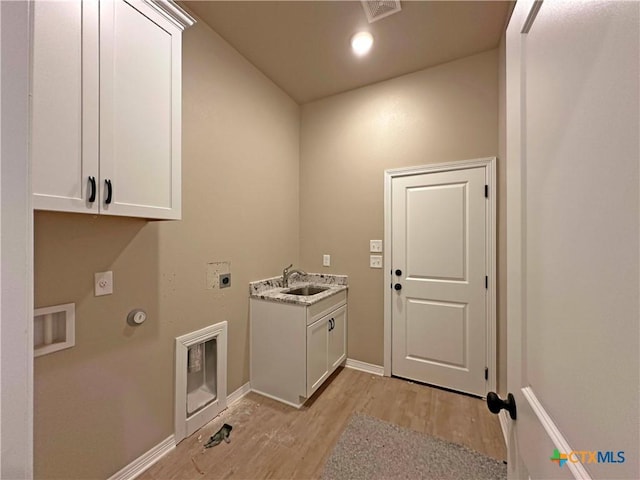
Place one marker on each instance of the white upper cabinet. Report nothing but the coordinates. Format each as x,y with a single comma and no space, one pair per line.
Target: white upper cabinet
64,105
140,90
107,107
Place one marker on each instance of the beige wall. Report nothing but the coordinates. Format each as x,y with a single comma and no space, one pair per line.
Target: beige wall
247,153
441,114
103,403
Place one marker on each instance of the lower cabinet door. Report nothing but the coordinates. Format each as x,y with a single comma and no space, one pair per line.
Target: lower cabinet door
337,337
317,349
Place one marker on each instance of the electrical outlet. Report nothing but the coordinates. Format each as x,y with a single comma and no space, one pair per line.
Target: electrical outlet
225,280
375,261
103,283
214,275
326,260
375,246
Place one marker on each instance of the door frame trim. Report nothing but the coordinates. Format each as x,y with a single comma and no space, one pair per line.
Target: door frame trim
16,245
489,163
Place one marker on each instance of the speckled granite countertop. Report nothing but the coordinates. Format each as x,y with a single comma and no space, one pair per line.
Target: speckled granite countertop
272,289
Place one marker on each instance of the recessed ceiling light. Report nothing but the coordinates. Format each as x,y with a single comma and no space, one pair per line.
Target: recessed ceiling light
361,43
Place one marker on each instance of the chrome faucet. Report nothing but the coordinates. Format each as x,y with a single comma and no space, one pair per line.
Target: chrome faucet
286,273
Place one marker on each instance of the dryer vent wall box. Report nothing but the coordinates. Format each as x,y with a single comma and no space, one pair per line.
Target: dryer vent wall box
53,328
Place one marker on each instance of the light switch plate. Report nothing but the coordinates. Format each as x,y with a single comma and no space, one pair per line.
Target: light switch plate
375,246
326,260
375,261
103,283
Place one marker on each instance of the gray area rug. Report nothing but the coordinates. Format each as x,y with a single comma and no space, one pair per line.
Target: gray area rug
373,449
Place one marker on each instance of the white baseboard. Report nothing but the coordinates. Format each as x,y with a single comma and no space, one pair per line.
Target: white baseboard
555,435
143,462
238,394
365,367
503,416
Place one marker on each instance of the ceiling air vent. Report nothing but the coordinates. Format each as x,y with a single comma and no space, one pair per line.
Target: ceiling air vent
377,9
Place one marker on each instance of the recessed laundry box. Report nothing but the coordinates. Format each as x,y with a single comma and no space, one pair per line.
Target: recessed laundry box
201,378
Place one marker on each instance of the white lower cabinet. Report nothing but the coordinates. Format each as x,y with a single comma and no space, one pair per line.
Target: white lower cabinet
337,351
294,348
325,347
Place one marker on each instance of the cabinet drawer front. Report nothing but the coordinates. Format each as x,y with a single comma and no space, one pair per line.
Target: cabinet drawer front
323,307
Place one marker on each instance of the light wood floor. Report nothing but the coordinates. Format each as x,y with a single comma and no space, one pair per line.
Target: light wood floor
273,440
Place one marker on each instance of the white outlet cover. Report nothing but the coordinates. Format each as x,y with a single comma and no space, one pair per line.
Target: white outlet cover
375,246
375,261
103,283
326,260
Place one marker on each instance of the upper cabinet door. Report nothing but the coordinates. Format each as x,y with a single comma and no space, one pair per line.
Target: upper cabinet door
64,115
140,111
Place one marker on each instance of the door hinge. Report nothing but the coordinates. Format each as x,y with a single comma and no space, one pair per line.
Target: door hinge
486,191
486,282
486,373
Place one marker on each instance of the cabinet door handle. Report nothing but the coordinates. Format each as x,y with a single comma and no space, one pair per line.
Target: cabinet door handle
109,191
92,195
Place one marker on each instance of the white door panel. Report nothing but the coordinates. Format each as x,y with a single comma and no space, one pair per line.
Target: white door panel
441,256
439,243
449,320
573,96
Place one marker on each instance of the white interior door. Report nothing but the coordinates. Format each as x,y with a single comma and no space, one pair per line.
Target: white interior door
439,278
573,238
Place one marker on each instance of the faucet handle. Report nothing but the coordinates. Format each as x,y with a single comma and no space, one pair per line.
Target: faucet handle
287,268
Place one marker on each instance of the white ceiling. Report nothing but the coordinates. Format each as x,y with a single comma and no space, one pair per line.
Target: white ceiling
303,46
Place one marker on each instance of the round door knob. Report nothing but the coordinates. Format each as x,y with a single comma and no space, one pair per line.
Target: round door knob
397,286
495,404
399,272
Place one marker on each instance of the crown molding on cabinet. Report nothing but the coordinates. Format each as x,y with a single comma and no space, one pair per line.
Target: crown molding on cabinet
169,9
